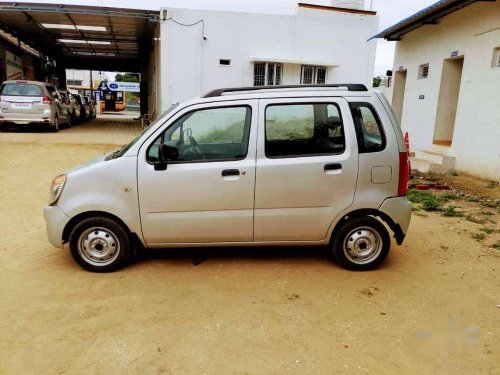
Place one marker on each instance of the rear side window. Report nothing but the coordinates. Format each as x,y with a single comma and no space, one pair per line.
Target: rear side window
369,130
308,129
21,89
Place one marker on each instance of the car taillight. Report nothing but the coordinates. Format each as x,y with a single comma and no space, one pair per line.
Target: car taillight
404,174
46,100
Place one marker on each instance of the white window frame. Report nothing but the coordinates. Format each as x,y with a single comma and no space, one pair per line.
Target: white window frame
421,69
276,80
314,78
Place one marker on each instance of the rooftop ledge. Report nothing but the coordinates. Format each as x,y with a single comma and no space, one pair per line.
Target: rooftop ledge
337,9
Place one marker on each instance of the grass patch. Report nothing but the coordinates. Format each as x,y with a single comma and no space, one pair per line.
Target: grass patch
431,203
473,198
449,196
496,246
451,211
490,204
487,213
478,236
472,219
492,184
454,173
487,230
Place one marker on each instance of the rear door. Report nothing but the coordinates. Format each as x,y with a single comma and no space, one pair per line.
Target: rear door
307,167
207,193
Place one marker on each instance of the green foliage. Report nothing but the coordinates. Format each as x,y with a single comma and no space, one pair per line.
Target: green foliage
449,196
492,184
377,81
473,198
126,77
231,134
496,246
431,203
451,211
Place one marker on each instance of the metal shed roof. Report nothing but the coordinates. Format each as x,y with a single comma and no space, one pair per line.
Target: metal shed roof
80,34
426,16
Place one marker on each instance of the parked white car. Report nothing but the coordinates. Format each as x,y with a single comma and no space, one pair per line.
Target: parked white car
290,165
32,103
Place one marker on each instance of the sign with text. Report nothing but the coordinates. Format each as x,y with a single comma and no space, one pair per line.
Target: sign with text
13,66
105,86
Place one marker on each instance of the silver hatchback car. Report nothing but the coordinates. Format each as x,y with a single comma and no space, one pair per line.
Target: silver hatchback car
31,102
289,165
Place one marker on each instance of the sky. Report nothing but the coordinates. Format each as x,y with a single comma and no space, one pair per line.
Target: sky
389,11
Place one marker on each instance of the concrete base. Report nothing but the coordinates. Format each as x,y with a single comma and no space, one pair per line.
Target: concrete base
432,162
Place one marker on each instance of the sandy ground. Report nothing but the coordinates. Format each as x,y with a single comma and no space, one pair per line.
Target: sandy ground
431,308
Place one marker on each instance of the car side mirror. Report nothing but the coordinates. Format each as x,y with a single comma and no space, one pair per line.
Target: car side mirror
166,153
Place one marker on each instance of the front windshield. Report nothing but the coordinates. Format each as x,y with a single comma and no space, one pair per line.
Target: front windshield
125,148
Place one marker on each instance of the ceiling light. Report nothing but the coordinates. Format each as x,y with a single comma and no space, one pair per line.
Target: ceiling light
58,26
83,41
91,28
73,27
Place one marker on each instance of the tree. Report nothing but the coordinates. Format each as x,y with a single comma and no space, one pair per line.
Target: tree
126,77
376,81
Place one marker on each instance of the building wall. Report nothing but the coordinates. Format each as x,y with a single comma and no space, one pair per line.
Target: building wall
473,32
190,63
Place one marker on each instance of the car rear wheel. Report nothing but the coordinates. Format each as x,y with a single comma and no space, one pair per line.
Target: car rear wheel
100,244
55,125
361,244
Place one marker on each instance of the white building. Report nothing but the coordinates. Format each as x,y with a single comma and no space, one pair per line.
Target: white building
446,82
206,49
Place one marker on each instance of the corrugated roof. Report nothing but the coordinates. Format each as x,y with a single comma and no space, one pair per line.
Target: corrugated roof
426,16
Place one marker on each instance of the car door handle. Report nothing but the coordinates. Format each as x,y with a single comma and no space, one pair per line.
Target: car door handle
230,172
333,167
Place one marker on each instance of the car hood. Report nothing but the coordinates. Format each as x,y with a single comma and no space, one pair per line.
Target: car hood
88,163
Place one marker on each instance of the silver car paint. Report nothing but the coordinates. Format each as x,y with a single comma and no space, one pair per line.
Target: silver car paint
38,112
118,186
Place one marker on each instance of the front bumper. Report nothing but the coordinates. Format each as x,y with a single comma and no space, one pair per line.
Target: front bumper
56,221
398,211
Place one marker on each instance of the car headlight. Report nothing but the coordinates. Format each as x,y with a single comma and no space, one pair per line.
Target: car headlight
56,188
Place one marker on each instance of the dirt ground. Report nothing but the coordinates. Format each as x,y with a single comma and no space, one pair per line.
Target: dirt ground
431,308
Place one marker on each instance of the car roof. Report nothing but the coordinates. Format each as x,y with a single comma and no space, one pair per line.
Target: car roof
28,81
279,92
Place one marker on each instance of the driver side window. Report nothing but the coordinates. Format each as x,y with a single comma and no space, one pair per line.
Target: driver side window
212,134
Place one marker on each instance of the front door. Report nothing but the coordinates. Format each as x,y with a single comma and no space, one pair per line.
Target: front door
307,167
207,193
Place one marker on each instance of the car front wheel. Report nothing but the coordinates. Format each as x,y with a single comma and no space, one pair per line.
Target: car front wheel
361,244
100,244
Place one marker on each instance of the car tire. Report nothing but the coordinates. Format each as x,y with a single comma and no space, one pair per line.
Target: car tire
100,244
361,244
55,126
4,128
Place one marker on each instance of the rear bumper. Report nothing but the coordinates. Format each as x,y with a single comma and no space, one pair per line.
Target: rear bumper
56,221
26,119
398,210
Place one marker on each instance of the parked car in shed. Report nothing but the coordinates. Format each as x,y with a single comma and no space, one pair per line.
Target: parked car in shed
32,103
84,108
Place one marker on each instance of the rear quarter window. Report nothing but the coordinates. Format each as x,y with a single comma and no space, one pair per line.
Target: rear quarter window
369,129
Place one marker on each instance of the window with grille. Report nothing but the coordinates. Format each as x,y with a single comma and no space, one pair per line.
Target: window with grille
312,75
267,74
423,71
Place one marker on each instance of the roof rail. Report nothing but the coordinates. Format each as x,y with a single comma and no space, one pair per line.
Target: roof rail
348,86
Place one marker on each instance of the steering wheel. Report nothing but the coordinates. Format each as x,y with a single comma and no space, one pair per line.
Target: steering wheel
194,144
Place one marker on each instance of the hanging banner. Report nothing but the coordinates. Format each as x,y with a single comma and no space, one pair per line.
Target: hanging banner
106,86
13,66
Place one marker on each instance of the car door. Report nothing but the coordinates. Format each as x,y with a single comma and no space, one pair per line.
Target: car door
205,195
307,167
